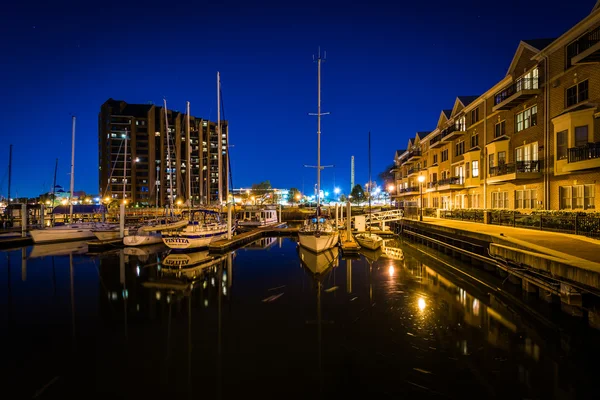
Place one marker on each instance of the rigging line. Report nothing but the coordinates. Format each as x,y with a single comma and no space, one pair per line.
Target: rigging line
113,168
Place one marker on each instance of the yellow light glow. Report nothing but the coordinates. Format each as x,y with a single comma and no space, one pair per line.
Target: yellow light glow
421,304
391,270
297,197
421,178
179,202
48,202
391,188
64,202
107,199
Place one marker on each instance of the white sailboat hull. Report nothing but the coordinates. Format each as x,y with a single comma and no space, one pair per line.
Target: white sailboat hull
369,241
142,240
63,233
318,242
108,234
194,238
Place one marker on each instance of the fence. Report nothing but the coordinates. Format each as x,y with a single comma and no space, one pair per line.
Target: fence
575,223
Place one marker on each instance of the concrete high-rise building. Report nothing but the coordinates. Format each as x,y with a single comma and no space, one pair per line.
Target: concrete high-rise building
147,171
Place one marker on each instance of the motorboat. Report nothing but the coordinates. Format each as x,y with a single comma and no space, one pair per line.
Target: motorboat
204,227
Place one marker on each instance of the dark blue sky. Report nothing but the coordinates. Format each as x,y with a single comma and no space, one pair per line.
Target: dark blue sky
391,68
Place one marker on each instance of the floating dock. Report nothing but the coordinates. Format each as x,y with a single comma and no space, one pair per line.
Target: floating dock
348,243
247,237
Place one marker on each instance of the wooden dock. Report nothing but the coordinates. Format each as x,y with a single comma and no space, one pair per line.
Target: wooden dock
247,237
348,243
7,243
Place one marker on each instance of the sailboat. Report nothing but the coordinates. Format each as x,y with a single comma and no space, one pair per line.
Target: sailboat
151,233
318,233
205,226
367,239
72,231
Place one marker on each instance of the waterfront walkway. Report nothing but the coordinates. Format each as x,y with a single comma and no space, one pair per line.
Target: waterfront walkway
568,247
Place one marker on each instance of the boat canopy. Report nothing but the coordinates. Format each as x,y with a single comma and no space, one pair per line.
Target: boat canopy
80,209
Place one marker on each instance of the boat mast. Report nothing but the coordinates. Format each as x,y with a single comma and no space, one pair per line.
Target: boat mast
72,169
189,157
125,169
9,171
370,183
169,159
219,139
54,189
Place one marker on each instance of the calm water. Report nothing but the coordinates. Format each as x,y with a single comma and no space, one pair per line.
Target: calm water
275,321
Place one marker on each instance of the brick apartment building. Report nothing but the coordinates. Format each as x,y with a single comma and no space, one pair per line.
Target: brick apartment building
531,142
147,165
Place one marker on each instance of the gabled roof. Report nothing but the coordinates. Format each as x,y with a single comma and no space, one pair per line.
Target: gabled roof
444,116
522,47
422,134
466,100
597,6
540,44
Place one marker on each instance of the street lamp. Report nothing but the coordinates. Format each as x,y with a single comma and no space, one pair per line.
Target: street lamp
390,190
421,179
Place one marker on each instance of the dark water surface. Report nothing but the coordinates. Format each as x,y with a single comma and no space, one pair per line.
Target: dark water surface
274,321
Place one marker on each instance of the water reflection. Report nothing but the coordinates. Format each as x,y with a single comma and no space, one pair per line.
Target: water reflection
180,324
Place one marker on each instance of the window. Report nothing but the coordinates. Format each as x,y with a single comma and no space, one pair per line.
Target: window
499,199
445,155
491,161
459,148
526,198
526,119
467,170
474,140
461,124
435,158
501,157
424,164
475,169
577,93
436,202
561,145
474,200
577,197
500,129
529,81
581,136
474,116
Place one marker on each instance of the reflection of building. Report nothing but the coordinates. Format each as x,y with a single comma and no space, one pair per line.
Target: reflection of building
531,141
263,243
147,171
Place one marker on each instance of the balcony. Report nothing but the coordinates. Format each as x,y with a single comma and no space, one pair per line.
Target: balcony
436,141
583,157
586,49
452,132
413,171
413,155
455,182
512,171
409,190
516,93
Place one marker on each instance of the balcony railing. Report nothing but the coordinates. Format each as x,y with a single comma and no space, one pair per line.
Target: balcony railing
582,153
518,167
455,180
582,44
451,129
435,140
412,171
414,153
409,189
519,85
432,185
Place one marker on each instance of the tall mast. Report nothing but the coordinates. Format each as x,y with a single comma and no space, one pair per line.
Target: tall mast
219,140
189,156
9,170
169,158
318,137
370,183
54,189
72,169
125,170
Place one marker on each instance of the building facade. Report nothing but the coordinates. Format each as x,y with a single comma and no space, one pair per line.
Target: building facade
193,150
531,142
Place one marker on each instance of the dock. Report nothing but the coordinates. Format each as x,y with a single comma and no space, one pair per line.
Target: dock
247,237
348,243
14,242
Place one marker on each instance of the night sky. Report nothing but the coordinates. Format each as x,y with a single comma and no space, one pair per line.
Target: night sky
390,70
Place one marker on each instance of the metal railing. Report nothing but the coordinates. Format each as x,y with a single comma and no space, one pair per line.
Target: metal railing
582,153
455,180
519,166
517,86
414,153
409,189
435,139
586,41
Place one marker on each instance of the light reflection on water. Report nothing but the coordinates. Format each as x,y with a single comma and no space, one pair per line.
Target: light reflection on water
271,318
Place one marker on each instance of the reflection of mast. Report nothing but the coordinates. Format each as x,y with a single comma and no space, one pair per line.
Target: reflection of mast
349,276
219,353
23,264
72,299
190,344
124,294
319,335
9,290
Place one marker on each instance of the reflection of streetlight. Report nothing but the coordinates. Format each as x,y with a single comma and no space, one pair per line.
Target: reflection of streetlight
421,304
391,271
421,179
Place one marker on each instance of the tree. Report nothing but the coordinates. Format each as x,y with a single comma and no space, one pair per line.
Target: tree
387,177
358,194
292,193
343,198
260,190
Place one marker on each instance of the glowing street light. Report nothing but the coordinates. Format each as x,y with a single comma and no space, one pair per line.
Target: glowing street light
336,190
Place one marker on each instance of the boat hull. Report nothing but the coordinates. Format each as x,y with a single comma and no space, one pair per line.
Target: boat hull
142,240
318,242
105,235
193,240
369,241
62,233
